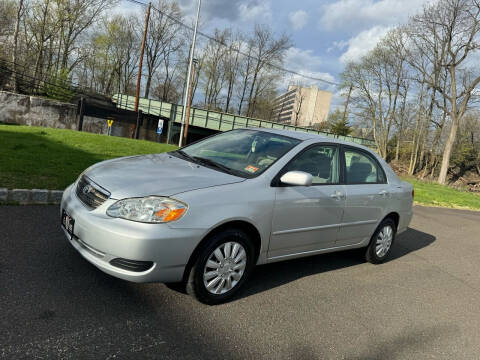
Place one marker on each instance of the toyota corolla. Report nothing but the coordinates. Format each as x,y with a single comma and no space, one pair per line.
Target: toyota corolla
206,214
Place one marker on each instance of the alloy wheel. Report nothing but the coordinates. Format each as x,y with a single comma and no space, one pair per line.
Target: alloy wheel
384,241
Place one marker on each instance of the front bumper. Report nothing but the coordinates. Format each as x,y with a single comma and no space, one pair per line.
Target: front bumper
100,239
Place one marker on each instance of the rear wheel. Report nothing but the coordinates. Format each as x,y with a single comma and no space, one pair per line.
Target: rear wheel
381,242
222,267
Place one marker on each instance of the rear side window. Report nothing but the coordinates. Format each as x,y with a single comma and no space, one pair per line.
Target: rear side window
321,161
361,168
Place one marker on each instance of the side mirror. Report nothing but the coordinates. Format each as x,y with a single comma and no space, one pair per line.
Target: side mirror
298,178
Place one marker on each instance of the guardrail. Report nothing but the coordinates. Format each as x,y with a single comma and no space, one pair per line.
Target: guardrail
217,120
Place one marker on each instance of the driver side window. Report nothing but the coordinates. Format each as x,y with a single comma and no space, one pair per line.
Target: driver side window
321,161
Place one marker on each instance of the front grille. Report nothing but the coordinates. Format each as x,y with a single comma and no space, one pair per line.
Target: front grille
131,265
91,194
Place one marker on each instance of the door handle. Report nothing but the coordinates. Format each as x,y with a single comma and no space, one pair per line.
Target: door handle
338,195
383,193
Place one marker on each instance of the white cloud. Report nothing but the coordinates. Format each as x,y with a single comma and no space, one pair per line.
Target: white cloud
365,41
255,11
230,11
339,45
305,63
126,8
298,19
298,58
358,14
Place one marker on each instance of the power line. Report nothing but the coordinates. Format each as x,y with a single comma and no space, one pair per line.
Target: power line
277,67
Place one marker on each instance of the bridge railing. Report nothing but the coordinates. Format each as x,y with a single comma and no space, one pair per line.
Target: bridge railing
217,120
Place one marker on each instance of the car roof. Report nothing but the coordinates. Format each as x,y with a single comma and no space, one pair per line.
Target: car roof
303,136
300,135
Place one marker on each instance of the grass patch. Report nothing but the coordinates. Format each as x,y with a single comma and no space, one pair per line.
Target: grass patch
432,194
43,158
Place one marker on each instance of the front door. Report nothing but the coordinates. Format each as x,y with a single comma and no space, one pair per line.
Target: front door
307,218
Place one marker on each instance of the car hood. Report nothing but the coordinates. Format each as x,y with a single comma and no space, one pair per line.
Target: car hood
155,174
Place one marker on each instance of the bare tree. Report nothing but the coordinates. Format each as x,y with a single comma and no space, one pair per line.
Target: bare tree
454,26
214,73
245,72
231,66
266,50
297,105
15,44
8,12
163,40
75,17
376,82
43,28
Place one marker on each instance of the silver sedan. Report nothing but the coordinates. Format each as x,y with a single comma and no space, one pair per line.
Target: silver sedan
206,214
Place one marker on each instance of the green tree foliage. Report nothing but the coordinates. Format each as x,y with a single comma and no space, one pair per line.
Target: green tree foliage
338,125
57,87
112,55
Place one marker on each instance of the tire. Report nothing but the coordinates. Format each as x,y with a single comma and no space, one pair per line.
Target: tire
228,275
381,242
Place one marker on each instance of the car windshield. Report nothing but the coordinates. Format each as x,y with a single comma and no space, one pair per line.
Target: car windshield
245,153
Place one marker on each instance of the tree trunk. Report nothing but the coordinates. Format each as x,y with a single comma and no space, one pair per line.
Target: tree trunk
147,86
345,109
15,45
250,96
413,154
454,116
397,149
442,178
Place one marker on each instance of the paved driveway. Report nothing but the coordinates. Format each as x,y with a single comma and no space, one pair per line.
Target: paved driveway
424,303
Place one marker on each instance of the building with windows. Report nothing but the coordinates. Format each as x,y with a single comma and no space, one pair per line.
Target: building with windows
302,106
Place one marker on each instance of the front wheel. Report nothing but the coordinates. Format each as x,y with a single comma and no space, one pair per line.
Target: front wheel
381,242
221,268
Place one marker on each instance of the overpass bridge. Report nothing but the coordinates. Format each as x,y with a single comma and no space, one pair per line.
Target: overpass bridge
206,122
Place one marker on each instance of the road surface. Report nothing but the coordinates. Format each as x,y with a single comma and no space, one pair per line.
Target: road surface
423,303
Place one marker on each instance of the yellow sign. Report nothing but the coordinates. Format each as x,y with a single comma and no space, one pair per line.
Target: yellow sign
109,123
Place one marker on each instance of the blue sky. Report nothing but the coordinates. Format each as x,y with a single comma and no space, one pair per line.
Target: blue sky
325,33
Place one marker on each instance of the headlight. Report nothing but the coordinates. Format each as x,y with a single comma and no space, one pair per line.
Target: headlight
153,209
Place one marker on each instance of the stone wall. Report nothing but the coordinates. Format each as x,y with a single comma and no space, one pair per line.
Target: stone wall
36,111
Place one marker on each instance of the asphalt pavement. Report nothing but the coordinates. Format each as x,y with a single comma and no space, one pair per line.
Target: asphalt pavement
422,304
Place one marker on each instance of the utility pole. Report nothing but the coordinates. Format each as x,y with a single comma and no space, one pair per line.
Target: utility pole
186,102
187,120
140,63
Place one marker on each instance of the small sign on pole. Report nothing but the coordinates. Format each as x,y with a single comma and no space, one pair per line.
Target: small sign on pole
160,127
109,123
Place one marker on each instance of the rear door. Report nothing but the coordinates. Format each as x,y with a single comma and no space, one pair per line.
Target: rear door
307,218
367,194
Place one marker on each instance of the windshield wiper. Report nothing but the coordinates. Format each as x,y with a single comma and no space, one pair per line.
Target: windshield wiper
207,162
212,163
184,155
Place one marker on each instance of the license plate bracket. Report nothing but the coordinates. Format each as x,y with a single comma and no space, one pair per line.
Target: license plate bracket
68,222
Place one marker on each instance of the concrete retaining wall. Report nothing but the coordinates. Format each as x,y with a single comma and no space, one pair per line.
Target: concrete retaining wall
36,111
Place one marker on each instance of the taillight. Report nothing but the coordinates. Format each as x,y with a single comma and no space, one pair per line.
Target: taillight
413,193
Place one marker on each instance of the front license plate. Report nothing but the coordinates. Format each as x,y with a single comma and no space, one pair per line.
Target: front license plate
68,222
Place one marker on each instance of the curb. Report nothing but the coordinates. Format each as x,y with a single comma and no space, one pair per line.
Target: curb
30,196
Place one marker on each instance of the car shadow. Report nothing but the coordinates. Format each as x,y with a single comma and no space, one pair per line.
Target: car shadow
270,276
